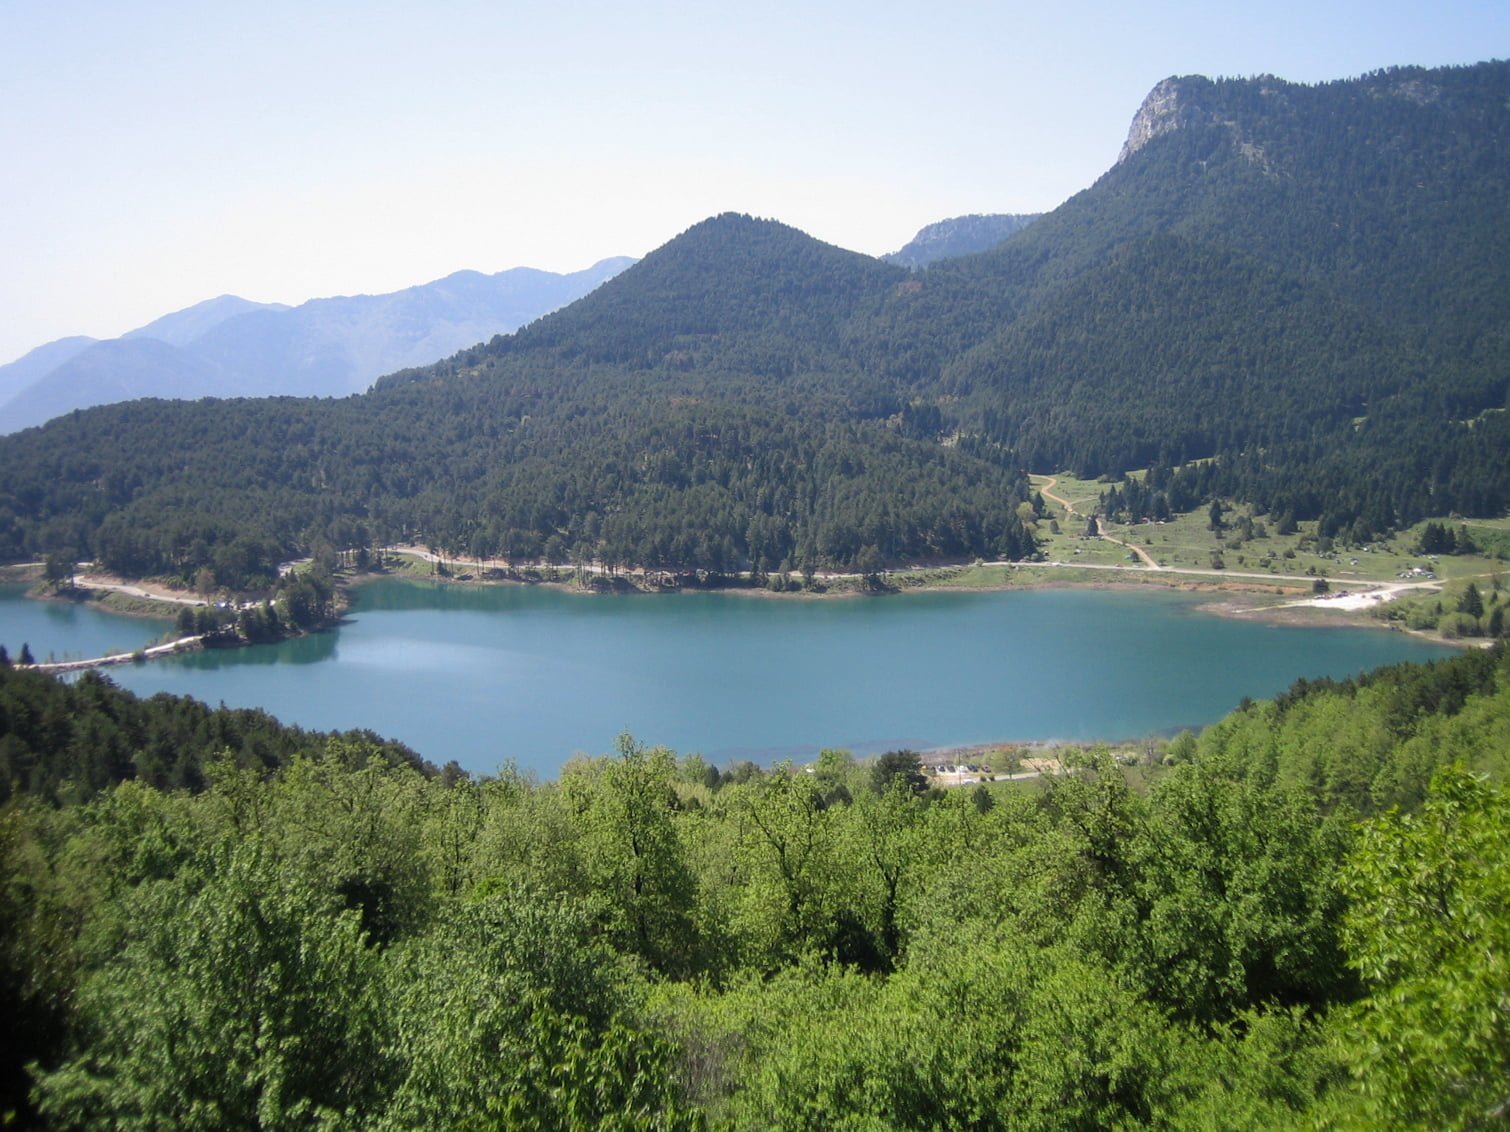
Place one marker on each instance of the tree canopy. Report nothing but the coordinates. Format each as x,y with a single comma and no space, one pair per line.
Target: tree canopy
1300,919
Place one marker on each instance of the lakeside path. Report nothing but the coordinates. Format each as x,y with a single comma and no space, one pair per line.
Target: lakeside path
182,644
136,589
1357,596
1373,592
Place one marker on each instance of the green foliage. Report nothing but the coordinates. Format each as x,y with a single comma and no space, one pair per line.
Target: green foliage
835,772
1261,1072
240,998
58,568
633,854
1374,741
1436,539
37,955
988,1032
1470,602
68,741
787,861
509,1015
355,825
336,938
1236,893
904,767
1429,931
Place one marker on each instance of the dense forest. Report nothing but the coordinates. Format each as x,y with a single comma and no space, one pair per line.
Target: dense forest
1295,296
1298,919
65,742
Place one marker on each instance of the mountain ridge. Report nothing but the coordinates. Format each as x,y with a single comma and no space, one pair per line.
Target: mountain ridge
335,346
180,328
959,235
1300,296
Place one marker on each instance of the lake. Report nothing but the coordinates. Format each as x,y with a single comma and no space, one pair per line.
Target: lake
487,674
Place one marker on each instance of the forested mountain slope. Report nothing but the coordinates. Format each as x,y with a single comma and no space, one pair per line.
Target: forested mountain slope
1305,288
1374,206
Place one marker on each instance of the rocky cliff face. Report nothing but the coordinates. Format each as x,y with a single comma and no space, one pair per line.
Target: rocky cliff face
961,235
1167,107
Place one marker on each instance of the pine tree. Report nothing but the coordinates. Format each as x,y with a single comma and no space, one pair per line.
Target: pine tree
1471,602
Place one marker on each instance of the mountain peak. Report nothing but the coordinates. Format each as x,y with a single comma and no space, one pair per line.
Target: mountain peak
733,247
335,346
728,275
184,326
739,230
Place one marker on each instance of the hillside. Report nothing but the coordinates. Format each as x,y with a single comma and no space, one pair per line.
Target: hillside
1304,288
34,364
1297,920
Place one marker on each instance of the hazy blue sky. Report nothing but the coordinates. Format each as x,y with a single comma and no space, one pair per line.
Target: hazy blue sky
157,154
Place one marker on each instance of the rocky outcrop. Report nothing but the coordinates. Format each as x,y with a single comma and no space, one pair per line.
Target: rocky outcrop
961,235
1167,108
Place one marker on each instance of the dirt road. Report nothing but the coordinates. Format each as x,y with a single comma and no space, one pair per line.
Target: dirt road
1069,509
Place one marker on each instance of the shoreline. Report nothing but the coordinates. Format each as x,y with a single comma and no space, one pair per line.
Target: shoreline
148,600
1349,608
1288,607
1292,603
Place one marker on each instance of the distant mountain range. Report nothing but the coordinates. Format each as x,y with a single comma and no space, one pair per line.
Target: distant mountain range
961,235
1294,296
231,347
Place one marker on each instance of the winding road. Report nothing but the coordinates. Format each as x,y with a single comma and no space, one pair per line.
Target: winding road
1069,509
157,593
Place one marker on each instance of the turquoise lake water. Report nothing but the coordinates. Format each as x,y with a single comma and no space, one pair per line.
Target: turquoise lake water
487,674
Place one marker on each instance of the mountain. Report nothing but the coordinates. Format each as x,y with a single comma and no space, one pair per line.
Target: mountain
1297,296
1367,211
725,287
35,364
334,347
116,370
182,327
74,373
961,235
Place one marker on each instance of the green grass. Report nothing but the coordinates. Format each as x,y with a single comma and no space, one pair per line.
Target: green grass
21,572
955,578
1433,610
407,566
1187,541
1082,494
132,606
